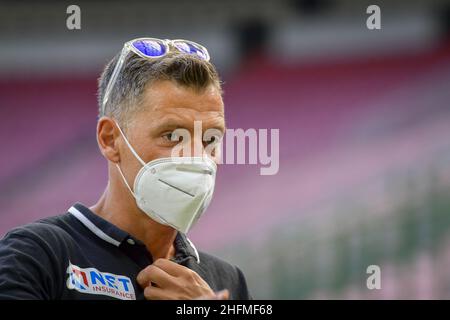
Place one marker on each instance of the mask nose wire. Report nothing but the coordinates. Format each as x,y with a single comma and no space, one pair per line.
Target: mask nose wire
134,153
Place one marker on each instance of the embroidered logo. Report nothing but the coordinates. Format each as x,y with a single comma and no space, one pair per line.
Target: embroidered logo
92,281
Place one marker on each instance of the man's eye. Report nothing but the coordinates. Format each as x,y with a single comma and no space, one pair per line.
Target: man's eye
213,139
168,136
171,136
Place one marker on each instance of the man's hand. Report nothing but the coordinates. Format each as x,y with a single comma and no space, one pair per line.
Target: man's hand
167,280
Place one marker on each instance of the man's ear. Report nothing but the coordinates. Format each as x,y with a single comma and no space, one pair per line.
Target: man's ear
107,139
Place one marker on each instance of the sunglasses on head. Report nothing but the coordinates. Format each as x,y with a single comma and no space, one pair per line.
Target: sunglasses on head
153,48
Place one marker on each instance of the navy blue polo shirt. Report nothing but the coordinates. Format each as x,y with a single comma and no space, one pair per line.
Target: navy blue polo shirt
79,255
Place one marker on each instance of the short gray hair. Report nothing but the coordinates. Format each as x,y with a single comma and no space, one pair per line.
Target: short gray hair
137,72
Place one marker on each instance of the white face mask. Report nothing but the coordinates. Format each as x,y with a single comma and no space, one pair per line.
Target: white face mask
173,191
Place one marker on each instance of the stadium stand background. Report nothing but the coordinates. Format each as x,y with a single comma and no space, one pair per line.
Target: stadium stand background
364,119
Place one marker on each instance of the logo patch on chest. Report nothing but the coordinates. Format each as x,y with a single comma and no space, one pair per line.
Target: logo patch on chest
92,281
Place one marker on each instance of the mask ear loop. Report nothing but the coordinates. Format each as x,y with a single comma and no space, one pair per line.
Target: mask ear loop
125,180
134,153
129,145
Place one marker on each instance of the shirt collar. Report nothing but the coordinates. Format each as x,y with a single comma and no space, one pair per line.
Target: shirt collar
116,236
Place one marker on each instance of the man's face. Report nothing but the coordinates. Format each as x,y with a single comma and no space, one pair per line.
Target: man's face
166,107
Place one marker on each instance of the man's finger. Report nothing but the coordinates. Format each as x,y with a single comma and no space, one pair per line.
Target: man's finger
155,293
171,267
154,274
222,295
218,295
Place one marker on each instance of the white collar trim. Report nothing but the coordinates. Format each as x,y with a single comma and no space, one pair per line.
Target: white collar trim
99,233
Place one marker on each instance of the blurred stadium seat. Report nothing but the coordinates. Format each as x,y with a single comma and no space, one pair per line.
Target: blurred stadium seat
364,155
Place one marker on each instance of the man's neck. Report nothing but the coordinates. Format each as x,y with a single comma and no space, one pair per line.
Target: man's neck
125,214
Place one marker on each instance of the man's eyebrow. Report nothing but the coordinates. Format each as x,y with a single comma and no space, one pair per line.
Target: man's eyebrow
172,124
221,128
169,125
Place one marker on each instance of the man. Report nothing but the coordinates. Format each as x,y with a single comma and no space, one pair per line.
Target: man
132,243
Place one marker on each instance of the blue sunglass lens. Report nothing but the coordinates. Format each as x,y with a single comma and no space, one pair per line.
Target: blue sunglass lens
191,49
150,48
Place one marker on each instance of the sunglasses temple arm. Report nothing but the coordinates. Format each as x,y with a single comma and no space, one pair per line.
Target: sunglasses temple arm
112,80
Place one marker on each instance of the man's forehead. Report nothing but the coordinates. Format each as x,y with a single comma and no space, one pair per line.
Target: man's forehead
167,95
